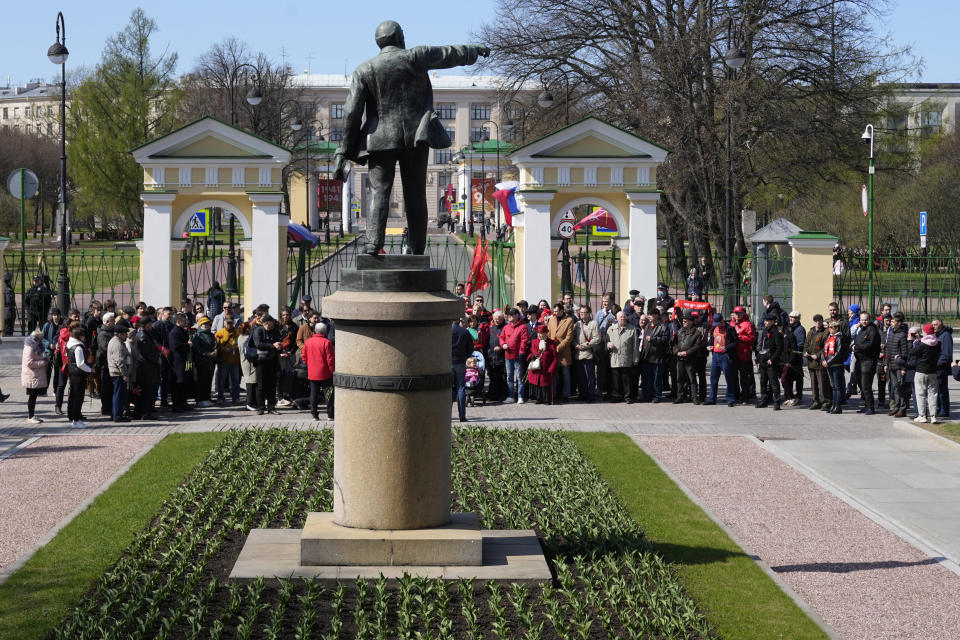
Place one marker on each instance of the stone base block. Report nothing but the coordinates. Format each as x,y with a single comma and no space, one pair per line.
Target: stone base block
323,542
508,556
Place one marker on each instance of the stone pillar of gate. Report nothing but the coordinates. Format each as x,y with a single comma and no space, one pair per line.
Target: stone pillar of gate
268,266
642,259
533,260
156,257
812,272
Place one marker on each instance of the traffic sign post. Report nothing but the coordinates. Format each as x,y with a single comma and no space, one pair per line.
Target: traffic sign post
23,184
925,258
199,223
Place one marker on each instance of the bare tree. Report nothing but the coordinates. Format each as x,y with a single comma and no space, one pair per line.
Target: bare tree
798,104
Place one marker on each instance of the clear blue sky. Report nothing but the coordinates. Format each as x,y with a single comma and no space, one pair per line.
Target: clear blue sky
330,36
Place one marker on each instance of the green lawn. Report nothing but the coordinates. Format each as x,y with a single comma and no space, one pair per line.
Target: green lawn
950,430
738,598
48,586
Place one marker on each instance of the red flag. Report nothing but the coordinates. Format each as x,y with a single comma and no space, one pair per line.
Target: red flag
599,218
478,274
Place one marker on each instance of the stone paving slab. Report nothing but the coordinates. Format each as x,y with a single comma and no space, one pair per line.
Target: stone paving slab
914,483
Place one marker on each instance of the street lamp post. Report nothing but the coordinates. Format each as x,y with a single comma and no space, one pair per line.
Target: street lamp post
58,54
868,138
254,96
487,138
734,59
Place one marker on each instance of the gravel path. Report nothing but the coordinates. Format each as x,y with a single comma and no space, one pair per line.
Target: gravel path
44,482
863,580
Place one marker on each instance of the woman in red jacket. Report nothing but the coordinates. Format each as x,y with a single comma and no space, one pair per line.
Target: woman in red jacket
540,374
319,357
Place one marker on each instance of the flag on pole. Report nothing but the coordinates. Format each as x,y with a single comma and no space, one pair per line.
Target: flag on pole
478,274
599,218
505,194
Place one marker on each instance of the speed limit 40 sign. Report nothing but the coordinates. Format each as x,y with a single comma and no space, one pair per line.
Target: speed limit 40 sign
565,229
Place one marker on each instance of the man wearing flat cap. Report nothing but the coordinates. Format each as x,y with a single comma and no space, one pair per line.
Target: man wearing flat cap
388,118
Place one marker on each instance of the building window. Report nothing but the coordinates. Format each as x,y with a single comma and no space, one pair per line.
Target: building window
26,112
447,111
930,122
479,112
336,134
477,134
49,128
897,124
49,110
5,113
336,111
452,133
16,112
442,156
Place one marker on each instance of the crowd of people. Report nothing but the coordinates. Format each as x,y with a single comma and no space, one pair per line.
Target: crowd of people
134,358
663,349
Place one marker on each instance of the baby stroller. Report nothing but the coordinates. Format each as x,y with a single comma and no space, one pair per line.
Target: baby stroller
475,381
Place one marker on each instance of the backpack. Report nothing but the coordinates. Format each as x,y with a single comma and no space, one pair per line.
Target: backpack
250,351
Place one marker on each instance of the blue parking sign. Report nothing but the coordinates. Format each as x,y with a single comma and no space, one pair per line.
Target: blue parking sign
923,223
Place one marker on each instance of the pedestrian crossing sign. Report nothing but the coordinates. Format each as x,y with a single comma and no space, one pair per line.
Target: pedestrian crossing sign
199,223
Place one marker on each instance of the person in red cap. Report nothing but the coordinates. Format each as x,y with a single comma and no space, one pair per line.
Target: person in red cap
746,339
927,352
541,363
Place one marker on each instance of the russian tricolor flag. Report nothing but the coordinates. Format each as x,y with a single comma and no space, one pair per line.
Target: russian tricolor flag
506,195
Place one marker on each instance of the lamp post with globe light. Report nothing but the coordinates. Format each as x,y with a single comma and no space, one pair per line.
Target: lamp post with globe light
57,53
734,59
867,138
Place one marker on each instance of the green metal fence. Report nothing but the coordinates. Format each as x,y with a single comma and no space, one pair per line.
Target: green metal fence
921,286
95,274
768,271
317,271
203,262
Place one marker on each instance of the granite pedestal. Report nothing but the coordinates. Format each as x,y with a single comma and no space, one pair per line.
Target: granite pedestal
391,470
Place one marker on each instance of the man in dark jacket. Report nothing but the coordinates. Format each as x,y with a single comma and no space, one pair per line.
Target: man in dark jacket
104,335
770,358
656,340
792,376
146,362
266,340
462,347
161,334
945,336
866,348
179,340
895,352
722,343
687,348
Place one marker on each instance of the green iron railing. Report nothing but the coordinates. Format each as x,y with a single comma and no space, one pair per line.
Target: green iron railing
95,274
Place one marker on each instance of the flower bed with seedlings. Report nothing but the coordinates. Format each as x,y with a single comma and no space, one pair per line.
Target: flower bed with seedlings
172,582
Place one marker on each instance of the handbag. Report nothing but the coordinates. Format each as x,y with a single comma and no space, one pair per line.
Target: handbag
534,365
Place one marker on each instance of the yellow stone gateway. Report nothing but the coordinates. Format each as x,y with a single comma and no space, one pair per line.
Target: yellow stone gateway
204,164
590,162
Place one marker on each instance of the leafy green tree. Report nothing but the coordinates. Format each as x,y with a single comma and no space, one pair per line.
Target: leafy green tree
129,99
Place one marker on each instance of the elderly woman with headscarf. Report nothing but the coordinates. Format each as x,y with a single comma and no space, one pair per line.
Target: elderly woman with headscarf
33,372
